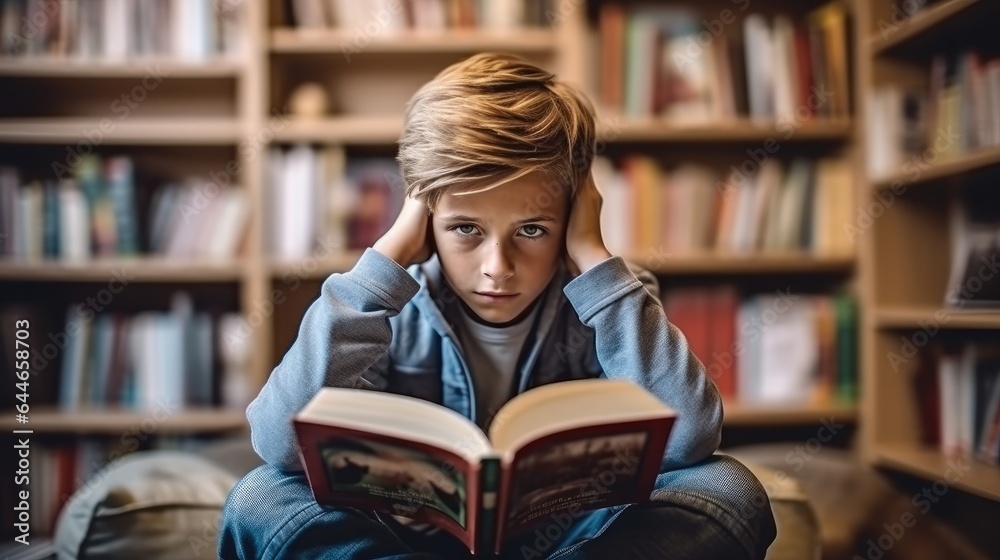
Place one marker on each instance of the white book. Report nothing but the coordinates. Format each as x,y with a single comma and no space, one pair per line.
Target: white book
298,194
616,212
789,352
742,236
429,15
230,225
117,28
503,14
758,45
74,242
948,393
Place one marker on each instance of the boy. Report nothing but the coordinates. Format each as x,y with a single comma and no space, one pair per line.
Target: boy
509,286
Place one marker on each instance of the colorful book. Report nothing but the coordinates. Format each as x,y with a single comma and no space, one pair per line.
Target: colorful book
544,456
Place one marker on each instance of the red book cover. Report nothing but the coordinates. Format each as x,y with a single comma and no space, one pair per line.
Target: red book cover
721,365
424,463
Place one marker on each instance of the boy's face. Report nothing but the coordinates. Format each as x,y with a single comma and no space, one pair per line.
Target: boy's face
488,244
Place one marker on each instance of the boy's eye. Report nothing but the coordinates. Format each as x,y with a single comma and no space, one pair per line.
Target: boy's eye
532,231
465,229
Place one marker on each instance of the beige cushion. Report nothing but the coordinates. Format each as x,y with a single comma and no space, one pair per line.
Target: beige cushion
156,504
798,535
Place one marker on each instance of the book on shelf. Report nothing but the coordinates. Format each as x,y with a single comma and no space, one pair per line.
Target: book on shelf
394,16
543,457
123,30
98,211
957,113
767,349
958,394
975,245
320,199
664,62
146,361
757,208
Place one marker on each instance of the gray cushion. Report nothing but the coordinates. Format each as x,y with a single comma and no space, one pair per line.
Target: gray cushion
156,504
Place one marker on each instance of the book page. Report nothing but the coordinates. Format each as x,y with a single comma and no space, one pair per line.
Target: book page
370,471
574,473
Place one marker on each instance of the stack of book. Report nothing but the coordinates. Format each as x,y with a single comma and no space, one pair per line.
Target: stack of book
959,113
958,391
389,16
117,30
96,211
669,62
769,349
758,207
320,199
147,361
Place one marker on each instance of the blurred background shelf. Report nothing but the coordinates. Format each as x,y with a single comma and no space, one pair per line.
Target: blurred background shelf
111,130
357,129
118,421
43,67
954,167
614,128
926,26
980,479
143,269
783,415
292,40
916,317
749,263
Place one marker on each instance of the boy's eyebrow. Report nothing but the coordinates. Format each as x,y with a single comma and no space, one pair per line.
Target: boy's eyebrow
464,218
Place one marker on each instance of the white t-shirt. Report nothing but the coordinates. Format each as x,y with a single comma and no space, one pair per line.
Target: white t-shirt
492,354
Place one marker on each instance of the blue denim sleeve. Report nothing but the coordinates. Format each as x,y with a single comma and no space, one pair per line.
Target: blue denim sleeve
634,341
342,334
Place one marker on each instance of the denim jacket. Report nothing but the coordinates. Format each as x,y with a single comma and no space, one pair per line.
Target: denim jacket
382,327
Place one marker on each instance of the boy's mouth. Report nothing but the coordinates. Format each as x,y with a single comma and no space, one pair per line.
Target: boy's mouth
496,296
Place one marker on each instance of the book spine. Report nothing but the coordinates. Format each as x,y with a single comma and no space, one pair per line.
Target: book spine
489,486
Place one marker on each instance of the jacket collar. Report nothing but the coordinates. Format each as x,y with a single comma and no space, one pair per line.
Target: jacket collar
436,301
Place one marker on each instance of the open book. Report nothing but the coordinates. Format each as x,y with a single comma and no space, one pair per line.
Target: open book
552,452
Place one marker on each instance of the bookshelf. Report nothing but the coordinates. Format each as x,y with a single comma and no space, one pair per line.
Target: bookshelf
905,255
231,109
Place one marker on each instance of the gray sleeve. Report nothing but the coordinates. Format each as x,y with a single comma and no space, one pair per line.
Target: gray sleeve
634,341
343,333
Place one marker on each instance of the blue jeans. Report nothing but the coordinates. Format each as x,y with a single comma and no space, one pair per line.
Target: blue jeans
715,509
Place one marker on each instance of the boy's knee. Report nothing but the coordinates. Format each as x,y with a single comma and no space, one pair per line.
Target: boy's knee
258,492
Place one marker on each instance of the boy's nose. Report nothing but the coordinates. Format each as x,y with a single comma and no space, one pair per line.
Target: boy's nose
496,264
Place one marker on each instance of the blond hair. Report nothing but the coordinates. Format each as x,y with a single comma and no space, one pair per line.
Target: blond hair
491,119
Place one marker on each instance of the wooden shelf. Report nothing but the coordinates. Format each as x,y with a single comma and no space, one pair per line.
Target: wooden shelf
620,129
913,317
162,131
291,40
739,415
46,67
946,169
117,421
384,130
361,129
920,25
749,263
144,269
980,479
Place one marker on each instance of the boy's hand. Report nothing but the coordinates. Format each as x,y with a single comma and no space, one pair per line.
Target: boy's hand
584,243
409,240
